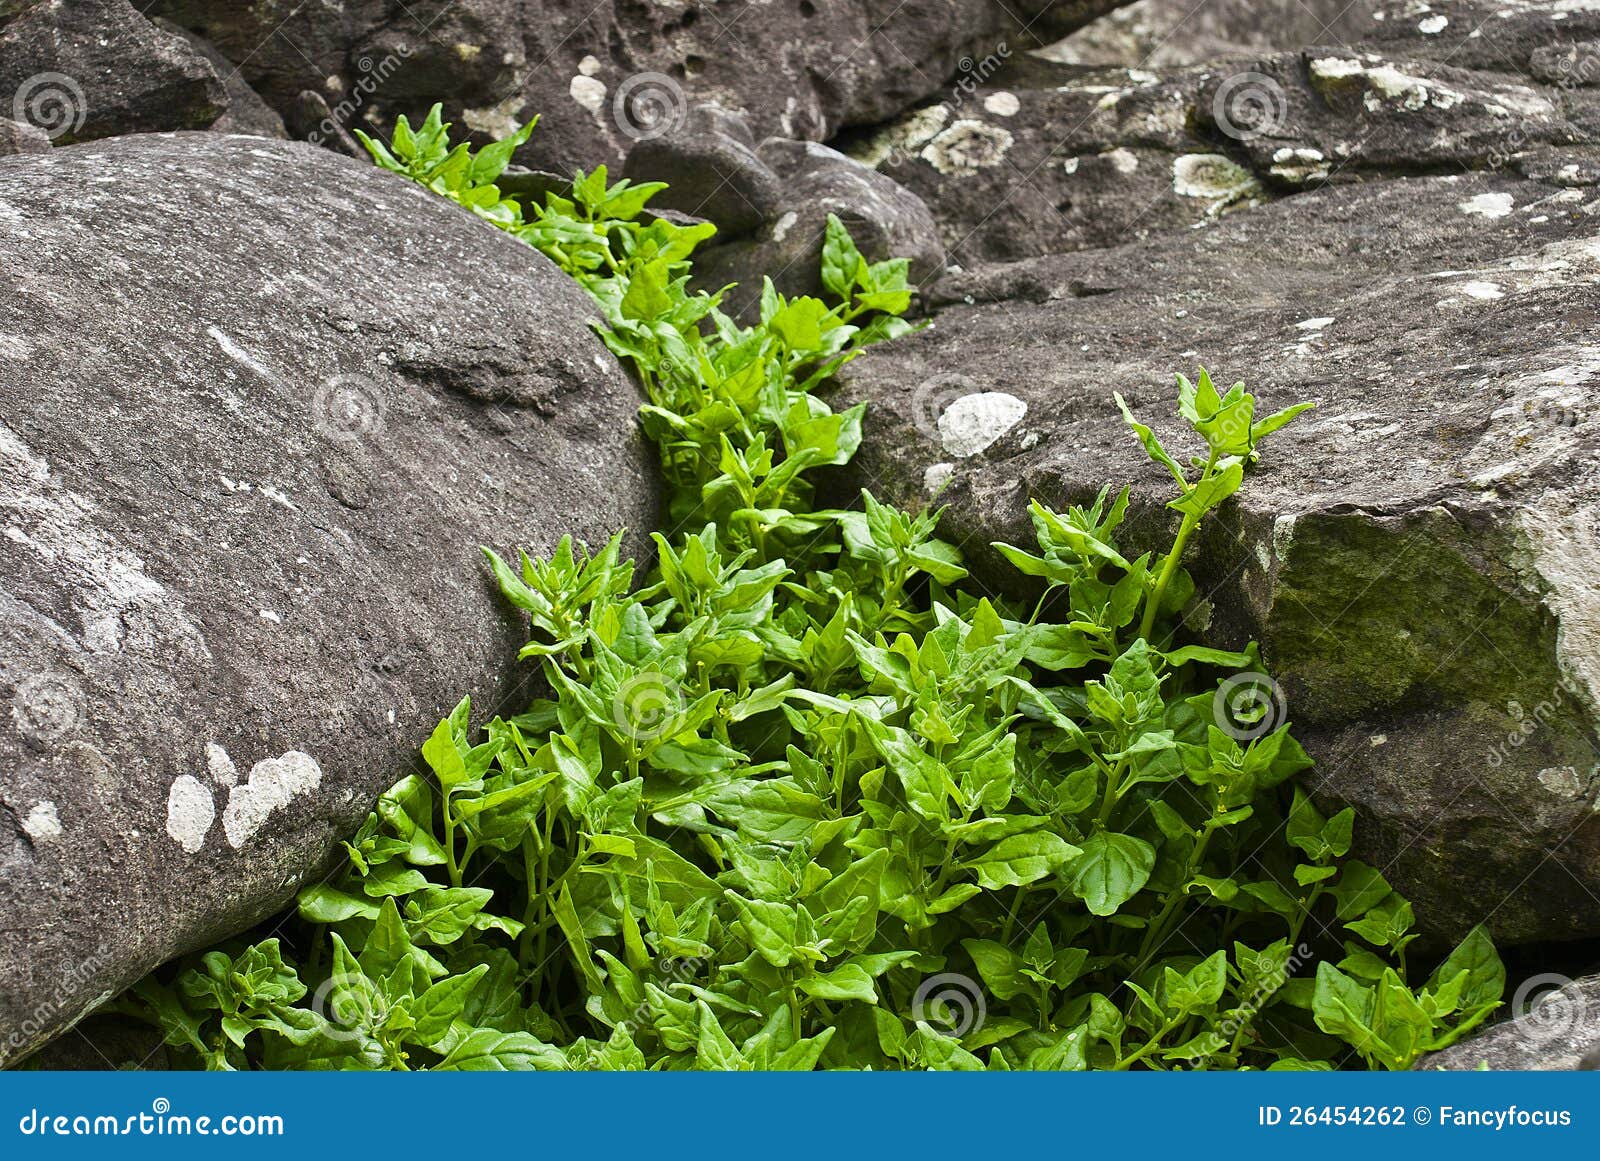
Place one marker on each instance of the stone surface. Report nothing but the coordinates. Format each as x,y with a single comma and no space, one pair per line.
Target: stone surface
1045,158
605,76
1163,33
771,204
247,112
20,137
1553,1026
259,405
82,69
1418,556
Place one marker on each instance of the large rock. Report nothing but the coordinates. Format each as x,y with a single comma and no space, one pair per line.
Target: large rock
1553,1025
1163,33
1419,556
604,76
771,203
259,405
1039,159
81,69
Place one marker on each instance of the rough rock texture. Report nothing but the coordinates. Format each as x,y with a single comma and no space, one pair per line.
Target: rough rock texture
1042,159
1163,33
1554,1026
81,69
606,75
259,405
247,112
771,203
1419,556
20,137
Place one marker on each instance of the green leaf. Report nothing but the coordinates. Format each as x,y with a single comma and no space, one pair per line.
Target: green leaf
1111,869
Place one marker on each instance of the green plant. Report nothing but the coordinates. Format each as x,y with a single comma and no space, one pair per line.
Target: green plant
804,799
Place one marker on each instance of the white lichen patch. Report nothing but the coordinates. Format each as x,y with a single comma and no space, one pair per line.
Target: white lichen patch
1002,104
1212,177
936,476
273,783
1122,160
781,228
223,771
1300,165
588,66
15,347
973,422
966,147
1336,69
496,121
1489,205
904,137
1433,25
1484,291
190,812
588,92
1315,324
1562,781
42,824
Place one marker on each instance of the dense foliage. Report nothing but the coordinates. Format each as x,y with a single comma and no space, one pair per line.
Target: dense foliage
798,798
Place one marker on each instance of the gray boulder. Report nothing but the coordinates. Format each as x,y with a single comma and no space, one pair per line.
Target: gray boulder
771,202
1164,33
1039,159
259,406
606,76
1417,556
247,112
1553,1025
82,69
20,137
